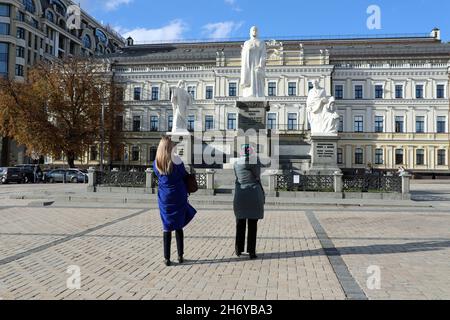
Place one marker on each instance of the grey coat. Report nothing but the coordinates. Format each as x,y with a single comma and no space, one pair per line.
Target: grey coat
249,196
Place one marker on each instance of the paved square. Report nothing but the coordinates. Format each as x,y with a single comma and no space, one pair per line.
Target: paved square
304,254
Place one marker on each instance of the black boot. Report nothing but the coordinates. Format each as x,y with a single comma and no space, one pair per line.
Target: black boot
179,234
167,242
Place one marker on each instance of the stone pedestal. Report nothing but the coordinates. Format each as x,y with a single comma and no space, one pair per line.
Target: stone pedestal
324,155
252,114
184,147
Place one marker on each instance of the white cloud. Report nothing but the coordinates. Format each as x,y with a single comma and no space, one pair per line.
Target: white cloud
221,30
173,31
108,5
233,5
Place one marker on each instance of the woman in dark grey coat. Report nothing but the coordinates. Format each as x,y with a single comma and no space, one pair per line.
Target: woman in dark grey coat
249,200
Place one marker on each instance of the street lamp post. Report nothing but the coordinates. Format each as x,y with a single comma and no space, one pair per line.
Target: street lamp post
102,138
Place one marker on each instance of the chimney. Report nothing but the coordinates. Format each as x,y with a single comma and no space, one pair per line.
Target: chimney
130,42
436,33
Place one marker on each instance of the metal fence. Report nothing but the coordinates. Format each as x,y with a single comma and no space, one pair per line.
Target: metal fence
291,182
121,179
200,177
372,183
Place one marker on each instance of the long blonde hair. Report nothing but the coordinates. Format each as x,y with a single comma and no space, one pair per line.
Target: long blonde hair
164,162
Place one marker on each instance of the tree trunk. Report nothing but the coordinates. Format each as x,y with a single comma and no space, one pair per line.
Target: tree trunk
71,159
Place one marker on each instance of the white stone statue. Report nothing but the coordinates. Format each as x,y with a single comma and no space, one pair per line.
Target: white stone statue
321,110
253,70
181,100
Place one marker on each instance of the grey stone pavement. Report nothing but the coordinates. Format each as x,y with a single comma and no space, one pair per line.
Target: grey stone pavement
316,252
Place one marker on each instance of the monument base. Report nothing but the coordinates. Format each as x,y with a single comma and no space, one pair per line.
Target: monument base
324,155
184,146
252,113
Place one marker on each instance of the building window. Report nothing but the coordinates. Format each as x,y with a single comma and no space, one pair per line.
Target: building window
231,122
135,154
359,92
419,91
398,156
136,123
440,91
154,122
191,91
232,89
20,52
87,42
341,124
378,92
5,10
209,93
379,156
119,123
359,124
339,91
271,121
420,157
272,91
94,153
20,16
155,93
170,123
20,33
441,157
399,124
191,123
292,121
29,6
4,28
359,156
379,124
399,91
35,23
50,16
19,70
340,156
137,93
4,52
209,122
292,89
441,125
420,124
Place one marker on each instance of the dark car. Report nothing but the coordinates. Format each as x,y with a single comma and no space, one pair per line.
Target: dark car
32,172
57,175
8,175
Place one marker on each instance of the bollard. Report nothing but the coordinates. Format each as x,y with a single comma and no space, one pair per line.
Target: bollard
338,182
92,180
210,179
149,183
406,184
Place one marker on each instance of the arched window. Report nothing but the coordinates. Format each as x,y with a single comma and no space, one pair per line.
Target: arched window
50,16
87,43
29,5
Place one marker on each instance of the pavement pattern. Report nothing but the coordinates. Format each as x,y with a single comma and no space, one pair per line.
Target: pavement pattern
318,253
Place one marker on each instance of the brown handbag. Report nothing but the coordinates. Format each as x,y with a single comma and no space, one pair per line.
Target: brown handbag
191,183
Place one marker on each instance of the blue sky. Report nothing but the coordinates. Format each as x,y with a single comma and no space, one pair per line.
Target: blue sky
149,20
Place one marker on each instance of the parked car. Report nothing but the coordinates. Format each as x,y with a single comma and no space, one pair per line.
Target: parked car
66,175
32,172
76,176
8,175
53,176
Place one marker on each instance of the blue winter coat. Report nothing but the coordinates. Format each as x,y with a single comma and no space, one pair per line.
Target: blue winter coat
175,211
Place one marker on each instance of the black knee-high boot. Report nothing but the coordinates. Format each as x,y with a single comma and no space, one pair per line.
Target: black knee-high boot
167,242
179,234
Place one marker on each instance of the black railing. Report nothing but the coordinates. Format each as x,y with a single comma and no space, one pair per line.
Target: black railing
200,177
372,183
120,179
292,182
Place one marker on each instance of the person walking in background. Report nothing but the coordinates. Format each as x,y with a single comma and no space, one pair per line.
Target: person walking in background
175,210
249,200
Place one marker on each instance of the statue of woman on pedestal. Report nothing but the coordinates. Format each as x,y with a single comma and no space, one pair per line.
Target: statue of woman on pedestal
253,70
181,100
